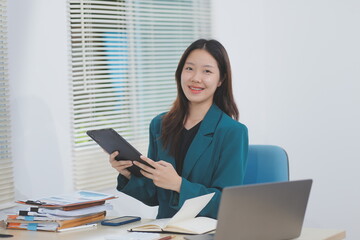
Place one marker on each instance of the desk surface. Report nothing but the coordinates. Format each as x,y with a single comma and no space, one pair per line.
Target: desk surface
106,232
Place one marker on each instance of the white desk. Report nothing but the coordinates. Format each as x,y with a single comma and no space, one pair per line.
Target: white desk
324,234
101,232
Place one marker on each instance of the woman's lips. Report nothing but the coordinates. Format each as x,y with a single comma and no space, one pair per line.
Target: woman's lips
196,90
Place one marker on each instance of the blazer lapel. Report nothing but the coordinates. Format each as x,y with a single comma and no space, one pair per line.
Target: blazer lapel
202,139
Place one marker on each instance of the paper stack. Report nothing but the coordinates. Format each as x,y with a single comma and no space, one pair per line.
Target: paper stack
60,212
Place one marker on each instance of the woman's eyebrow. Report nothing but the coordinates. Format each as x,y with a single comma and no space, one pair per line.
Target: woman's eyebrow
206,65
209,66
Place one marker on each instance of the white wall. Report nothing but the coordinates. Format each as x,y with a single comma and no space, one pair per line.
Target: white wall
296,68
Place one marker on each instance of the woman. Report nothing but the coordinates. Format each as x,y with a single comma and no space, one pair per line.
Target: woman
197,147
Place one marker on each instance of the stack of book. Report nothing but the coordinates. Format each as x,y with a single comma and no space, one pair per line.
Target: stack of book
60,213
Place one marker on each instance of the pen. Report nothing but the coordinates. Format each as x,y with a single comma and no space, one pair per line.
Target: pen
78,227
5,235
166,238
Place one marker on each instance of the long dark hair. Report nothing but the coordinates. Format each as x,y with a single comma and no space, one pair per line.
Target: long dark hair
173,121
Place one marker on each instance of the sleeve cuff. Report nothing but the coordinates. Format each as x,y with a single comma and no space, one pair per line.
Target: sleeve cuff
178,199
122,182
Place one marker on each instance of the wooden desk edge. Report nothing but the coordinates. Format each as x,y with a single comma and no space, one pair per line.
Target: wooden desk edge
334,234
340,235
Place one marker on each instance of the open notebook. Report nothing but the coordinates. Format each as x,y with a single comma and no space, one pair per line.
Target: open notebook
185,220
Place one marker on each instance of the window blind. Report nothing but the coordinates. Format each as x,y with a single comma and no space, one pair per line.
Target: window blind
124,54
6,170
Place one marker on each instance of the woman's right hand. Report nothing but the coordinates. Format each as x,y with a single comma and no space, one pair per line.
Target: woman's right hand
120,166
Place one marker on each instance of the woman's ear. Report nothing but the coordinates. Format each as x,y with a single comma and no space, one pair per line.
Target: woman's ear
222,80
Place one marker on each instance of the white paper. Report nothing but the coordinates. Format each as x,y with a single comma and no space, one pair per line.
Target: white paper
76,212
162,222
77,197
198,225
191,208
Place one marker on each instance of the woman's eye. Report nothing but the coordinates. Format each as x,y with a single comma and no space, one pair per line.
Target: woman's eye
188,68
207,71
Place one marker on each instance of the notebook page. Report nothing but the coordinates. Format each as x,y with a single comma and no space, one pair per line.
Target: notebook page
197,225
191,208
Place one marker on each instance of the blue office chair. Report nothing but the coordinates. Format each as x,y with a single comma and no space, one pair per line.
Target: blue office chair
266,163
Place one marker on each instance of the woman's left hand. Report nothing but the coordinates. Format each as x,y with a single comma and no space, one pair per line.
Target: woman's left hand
163,174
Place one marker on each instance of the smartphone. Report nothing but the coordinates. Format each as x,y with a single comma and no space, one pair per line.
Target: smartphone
120,220
111,141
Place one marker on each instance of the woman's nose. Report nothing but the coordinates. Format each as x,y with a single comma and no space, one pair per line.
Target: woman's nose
196,78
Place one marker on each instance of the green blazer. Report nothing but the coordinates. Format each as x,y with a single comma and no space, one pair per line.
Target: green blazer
216,159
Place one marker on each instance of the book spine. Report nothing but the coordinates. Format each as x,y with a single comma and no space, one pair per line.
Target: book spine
20,226
81,221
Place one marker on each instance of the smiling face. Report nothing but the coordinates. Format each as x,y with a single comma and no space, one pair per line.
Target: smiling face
200,77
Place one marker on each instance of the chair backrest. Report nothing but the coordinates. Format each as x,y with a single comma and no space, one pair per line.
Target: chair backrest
266,163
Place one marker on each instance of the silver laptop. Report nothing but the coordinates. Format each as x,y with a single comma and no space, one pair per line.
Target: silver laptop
261,211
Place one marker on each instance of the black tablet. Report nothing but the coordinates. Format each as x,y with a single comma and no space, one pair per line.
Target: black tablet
111,141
